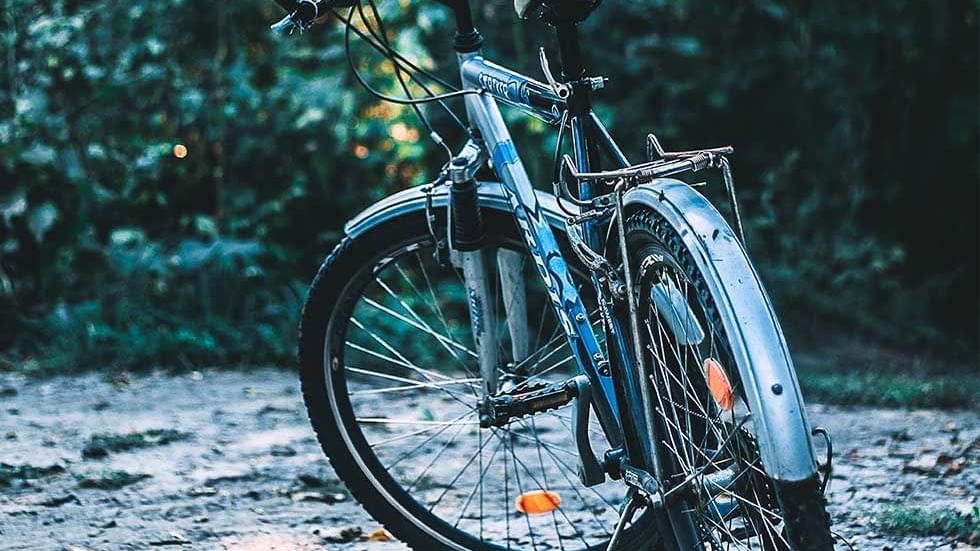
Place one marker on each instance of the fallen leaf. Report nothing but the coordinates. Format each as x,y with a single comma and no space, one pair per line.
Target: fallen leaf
380,535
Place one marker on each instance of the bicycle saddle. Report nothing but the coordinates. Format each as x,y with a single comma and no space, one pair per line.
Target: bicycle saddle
576,10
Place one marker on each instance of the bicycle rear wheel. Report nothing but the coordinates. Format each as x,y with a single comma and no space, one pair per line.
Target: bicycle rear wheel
720,494
391,383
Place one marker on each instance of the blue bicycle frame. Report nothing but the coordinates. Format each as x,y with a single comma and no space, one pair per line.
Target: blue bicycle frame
540,100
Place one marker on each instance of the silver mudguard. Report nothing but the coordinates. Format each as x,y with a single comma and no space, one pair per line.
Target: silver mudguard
755,337
492,195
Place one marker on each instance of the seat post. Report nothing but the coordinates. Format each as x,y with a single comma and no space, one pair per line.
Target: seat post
572,66
579,108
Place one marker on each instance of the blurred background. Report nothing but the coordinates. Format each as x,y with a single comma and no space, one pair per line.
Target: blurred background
171,174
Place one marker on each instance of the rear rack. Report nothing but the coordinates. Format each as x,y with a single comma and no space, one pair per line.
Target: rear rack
661,164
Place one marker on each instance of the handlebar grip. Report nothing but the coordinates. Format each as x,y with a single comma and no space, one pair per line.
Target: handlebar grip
284,26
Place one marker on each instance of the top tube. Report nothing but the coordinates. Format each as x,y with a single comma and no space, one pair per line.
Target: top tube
527,94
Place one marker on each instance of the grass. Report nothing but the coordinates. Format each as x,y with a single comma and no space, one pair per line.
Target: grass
111,480
9,474
101,445
917,521
891,390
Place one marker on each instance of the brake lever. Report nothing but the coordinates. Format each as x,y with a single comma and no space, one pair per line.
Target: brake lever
560,89
285,26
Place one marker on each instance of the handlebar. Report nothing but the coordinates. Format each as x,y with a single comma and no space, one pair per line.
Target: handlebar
301,14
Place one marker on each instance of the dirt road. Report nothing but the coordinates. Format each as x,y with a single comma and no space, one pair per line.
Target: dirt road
226,460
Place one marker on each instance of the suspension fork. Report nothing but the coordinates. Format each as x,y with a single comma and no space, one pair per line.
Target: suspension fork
467,245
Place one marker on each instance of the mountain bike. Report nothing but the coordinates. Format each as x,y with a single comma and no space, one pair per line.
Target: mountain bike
490,366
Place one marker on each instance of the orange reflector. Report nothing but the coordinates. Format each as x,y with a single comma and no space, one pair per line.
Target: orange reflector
537,502
718,384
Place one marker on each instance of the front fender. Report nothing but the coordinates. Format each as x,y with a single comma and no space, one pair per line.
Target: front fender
492,195
756,340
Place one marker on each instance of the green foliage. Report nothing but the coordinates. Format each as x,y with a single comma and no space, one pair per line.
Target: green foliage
855,125
931,522
891,390
11,475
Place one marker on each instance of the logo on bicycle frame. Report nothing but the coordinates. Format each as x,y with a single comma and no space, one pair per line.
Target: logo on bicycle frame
510,89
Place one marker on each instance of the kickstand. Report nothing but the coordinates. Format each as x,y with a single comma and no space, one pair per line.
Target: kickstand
633,502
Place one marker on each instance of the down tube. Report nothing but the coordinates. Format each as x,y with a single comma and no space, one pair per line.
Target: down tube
548,259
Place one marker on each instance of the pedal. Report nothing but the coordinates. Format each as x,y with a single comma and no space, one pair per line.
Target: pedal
497,411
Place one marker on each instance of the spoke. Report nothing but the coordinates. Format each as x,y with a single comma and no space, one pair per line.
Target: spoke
433,301
544,372
431,383
413,386
731,536
428,467
458,475
432,294
575,486
544,444
478,487
438,385
536,355
567,423
412,451
520,488
421,325
401,437
660,398
443,340
544,477
759,508
387,421
402,360
561,510
427,374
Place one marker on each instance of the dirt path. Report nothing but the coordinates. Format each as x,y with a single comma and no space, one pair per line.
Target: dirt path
237,467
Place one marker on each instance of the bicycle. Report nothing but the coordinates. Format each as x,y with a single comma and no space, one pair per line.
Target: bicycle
463,401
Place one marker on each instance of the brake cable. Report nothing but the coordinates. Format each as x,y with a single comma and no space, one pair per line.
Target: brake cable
381,36
382,96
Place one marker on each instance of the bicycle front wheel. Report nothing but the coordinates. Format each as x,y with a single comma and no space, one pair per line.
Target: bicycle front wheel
391,384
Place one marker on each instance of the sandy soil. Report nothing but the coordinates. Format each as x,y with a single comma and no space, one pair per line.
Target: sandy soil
251,476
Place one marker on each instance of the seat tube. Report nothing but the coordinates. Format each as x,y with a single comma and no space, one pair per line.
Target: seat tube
484,113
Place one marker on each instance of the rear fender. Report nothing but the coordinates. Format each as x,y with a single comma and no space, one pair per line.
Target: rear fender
749,320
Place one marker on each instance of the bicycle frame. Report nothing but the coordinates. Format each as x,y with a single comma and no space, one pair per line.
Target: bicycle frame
538,99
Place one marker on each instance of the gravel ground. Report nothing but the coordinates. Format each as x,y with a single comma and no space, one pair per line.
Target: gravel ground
244,471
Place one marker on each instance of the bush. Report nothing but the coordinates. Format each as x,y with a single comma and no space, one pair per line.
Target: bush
855,126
